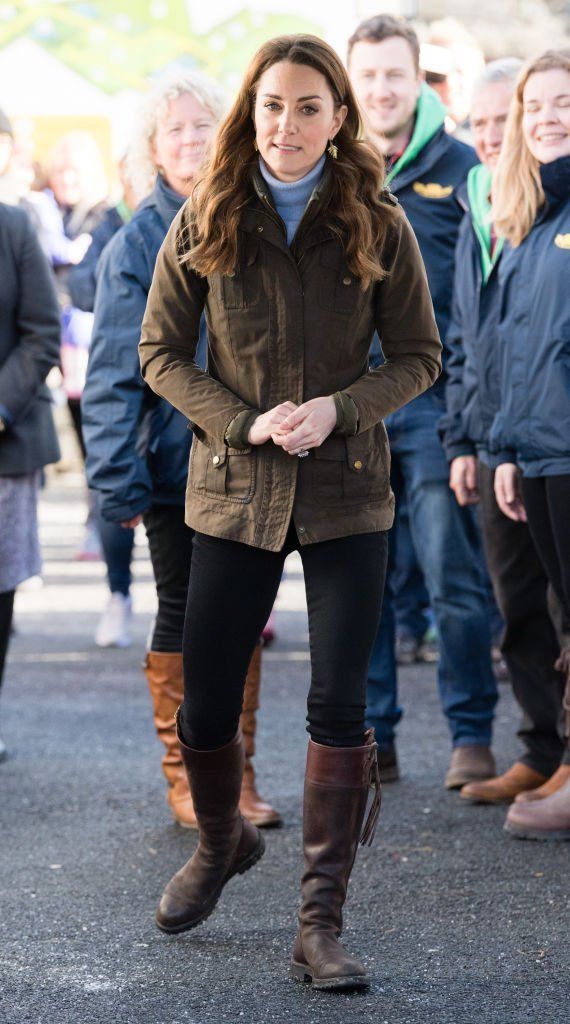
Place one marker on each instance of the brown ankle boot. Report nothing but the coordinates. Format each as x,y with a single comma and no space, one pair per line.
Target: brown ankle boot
469,764
337,781
229,845
166,684
251,804
504,788
552,785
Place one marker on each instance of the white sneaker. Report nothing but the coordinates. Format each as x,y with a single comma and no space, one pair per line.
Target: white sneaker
113,629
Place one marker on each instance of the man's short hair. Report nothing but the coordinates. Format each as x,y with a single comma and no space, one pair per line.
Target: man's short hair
386,26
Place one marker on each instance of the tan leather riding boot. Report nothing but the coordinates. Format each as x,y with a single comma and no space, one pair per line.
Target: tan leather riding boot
251,805
229,845
166,683
337,781
505,787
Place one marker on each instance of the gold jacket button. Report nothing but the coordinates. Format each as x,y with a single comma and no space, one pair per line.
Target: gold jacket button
358,464
260,228
347,280
216,460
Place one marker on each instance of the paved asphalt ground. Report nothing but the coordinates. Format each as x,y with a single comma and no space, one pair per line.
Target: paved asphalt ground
457,922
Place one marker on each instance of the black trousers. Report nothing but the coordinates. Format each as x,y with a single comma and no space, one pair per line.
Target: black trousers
170,548
547,503
529,643
6,613
232,590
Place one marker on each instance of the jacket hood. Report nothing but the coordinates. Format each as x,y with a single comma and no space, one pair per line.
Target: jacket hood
478,191
430,116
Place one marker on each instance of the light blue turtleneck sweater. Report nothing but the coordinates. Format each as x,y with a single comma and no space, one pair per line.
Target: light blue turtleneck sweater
291,197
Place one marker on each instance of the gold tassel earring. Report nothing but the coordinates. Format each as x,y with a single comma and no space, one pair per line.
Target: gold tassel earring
332,150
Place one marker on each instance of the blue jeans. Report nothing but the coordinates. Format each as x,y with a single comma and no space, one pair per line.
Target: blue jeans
447,546
413,614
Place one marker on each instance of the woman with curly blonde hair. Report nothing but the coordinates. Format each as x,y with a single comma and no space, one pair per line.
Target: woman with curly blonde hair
531,209
297,257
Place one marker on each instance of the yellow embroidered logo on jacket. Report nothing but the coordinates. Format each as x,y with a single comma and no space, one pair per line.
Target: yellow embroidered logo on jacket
562,241
431,190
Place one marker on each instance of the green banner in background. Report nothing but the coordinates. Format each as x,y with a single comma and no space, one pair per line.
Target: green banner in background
118,46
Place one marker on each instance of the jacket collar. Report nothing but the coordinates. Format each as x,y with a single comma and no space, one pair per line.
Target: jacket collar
311,230
555,178
427,157
165,200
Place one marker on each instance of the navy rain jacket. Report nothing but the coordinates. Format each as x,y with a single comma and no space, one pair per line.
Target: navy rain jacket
534,336
427,190
138,445
473,394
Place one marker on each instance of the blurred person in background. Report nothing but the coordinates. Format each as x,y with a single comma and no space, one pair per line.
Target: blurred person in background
76,203
29,348
114,626
473,400
405,119
297,256
452,59
531,209
138,446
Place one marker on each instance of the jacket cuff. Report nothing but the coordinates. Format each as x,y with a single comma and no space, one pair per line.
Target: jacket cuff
346,414
456,449
236,435
503,456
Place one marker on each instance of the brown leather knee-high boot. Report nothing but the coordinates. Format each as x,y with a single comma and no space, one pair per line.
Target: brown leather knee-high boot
337,782
166,683
251,805
229,845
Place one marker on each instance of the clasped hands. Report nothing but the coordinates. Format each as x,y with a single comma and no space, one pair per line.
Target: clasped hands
295,428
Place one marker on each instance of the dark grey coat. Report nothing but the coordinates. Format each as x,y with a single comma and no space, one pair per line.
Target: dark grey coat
29,347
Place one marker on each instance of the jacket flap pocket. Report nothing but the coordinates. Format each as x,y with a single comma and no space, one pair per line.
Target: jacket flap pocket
358,450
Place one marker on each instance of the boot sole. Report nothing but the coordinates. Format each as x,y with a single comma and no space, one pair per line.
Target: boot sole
245,865
545,837
303,973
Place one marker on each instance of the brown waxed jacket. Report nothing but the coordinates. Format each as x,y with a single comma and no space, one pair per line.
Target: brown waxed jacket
291,324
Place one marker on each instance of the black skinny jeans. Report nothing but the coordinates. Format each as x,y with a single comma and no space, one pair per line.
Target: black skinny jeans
170,548
232,590
529,643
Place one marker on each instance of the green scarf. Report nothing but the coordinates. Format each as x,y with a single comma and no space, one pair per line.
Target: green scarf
478,190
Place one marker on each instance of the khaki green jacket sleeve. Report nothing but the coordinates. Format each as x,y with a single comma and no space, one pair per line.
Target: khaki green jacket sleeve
408,334
169,339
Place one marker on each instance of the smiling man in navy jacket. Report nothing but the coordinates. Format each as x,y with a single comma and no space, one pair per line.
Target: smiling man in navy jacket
406,121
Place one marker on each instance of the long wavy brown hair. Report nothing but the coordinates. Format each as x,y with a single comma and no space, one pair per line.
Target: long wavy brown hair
353,208
517,187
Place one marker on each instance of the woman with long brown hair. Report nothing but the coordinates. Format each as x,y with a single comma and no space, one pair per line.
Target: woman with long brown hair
531,204
297,257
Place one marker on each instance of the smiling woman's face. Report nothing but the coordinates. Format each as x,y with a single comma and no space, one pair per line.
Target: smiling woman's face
546,114
295,118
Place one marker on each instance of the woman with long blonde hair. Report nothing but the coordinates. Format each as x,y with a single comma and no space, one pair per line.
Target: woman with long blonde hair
296,257
531,209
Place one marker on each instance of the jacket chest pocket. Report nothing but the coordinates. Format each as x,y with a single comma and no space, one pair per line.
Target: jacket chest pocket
339,289
228,474
354,470
242,288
